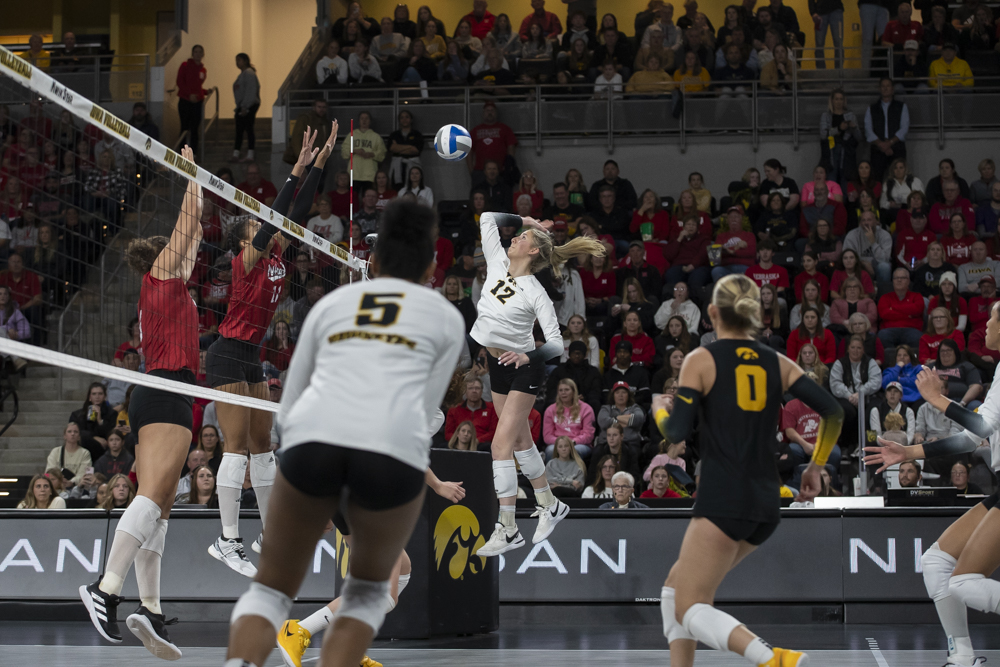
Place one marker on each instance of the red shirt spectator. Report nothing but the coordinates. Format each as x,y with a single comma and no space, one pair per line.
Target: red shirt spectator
772,274
939,219
643,348
444,253
551,27
660,221
911,246
206,320
481,25
963,307
824,285
802,419
895,311
809,216
981,305
260,189
24,285
484,418
839,276
276,356
896,33
535,425
957,251
190,77
705,226
929,344
491,139
977,345
648,493
825,344
745,255
602,286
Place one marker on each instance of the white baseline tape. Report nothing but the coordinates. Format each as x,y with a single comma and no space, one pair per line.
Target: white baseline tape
69,362
31,77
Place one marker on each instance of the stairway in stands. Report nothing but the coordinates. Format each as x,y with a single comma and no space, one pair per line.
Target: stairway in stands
219,148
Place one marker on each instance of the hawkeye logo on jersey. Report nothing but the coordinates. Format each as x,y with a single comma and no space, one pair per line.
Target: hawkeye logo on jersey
457,535
276,271
746,353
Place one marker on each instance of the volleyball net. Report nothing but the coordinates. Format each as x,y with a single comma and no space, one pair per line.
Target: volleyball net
77,185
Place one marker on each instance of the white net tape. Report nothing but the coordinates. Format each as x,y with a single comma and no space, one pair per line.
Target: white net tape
68,361
45,86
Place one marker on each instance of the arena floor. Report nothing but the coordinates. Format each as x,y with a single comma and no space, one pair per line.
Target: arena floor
77,645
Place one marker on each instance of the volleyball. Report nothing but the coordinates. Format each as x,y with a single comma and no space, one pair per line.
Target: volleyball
453,142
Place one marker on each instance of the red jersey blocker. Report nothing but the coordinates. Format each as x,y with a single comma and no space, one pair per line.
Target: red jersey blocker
255,297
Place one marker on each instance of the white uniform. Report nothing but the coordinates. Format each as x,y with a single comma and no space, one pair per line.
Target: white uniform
509,306
990,412
371,367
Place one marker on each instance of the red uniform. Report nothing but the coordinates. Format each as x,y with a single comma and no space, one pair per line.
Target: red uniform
254,298
958,251
168,325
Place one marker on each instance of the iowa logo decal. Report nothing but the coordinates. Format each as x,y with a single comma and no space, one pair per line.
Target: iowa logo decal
746,353
457,536
343,554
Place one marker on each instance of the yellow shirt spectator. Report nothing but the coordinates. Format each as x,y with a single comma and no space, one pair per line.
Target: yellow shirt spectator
691,82
654,83
955,74
40,58
436,47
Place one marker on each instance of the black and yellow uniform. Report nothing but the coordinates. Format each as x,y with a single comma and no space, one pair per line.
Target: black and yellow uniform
739,418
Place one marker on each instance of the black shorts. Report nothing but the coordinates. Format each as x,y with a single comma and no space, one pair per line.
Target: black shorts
745,530
231,361
992,501
158,406
373,481
505,379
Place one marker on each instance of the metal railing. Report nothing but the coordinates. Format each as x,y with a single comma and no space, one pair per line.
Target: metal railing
543,112
207,123
103,78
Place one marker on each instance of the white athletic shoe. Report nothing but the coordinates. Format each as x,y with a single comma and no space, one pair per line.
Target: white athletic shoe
258,544
232,554
501,541
547,520
957,661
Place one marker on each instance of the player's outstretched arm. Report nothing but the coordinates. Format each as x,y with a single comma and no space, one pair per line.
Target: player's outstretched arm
830,423
177,259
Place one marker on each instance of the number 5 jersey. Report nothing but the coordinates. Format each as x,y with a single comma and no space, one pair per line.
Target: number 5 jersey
509,306
370,369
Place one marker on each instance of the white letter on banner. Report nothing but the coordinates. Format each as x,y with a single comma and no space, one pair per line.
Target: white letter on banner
553,562
31,560
322,546
887,567
918,551
88,565
586,546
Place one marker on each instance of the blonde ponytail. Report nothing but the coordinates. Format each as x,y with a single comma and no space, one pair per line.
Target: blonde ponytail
738,300
555,256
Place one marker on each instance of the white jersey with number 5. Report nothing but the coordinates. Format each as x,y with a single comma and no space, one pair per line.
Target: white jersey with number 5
509,306
370,369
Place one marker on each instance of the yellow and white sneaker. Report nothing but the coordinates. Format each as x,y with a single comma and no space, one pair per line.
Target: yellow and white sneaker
784,657
368,662
293,640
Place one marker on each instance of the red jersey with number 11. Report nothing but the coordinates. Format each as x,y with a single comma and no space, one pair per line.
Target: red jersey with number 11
168,325
255,297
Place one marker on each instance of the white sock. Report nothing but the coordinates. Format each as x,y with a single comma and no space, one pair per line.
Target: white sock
318,621
229,510
954,618
507,516
262,473
758,652
236,152
147,573
544,496
123,552
250,155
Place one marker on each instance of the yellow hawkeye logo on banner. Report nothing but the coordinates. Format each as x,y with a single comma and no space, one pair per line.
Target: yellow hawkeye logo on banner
458,526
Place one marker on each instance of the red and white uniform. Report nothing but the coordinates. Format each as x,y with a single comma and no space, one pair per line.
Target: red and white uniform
168,325
255,297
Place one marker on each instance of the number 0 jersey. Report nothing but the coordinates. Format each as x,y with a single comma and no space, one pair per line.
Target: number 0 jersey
371,366
509,306
738,424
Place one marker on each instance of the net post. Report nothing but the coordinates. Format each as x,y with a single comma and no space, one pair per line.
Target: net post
350,197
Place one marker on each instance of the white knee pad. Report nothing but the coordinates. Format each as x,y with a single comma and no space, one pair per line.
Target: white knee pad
265,602
232,471
158,539
262,470
937,566
531,463
404,579
139,520
710,625
672,630
505,479
977,592
364,601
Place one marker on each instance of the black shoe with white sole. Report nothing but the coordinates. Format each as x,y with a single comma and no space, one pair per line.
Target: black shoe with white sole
103,610
151,630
